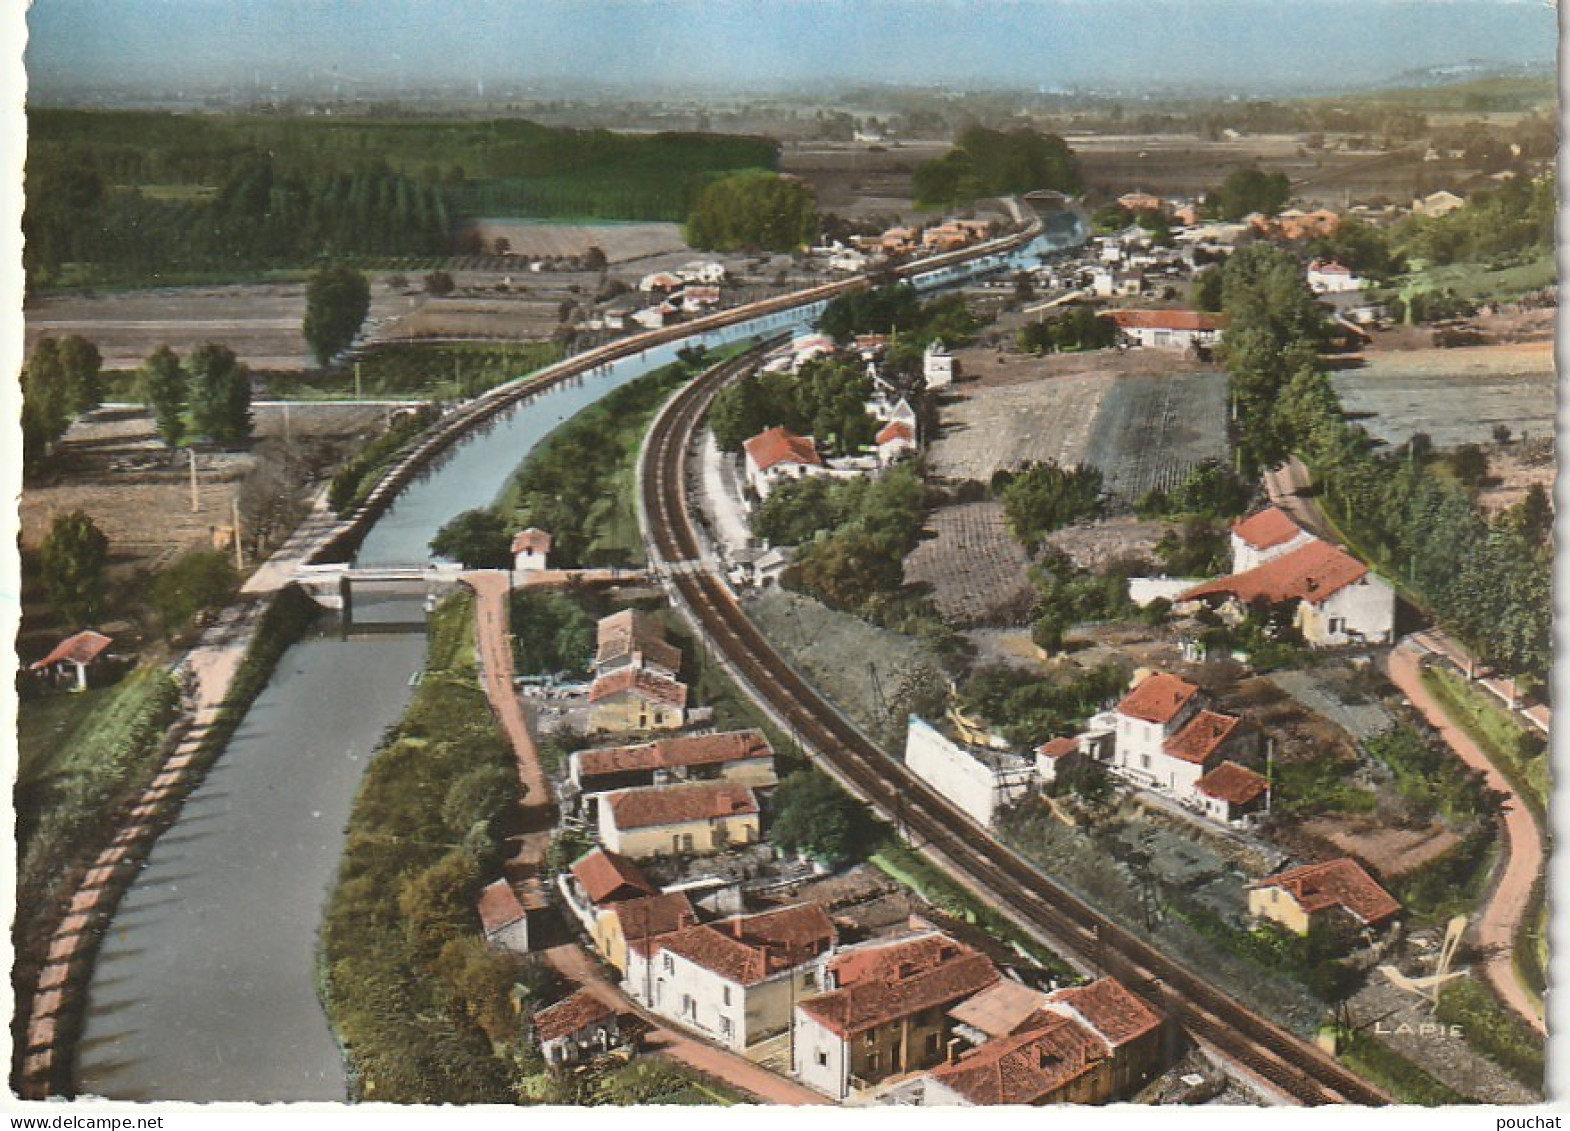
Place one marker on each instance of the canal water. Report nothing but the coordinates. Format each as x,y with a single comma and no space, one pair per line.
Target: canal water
205,986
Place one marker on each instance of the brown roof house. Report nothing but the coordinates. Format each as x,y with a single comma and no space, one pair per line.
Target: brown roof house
531,550
1300,898
678,820
575,1028
884,1012
742,756
776,455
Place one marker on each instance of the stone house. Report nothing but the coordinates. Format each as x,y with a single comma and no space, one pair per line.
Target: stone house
1300,898
678,820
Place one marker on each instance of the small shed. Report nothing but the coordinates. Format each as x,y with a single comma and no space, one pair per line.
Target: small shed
79,661
578,1026
530,550
504,916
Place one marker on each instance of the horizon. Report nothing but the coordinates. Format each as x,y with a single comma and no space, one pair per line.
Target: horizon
612,47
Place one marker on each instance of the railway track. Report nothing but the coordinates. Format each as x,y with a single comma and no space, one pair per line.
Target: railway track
1297,1069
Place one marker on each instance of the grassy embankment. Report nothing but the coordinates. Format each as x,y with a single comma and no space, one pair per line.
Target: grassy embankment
425,370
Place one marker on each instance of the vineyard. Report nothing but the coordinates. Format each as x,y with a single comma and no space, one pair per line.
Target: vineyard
1150,430
974,566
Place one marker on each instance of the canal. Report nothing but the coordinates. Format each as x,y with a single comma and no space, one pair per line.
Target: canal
205,986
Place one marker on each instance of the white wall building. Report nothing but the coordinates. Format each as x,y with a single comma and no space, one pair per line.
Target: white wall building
937,366
979,779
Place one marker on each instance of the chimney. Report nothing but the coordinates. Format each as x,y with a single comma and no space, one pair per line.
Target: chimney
953,1050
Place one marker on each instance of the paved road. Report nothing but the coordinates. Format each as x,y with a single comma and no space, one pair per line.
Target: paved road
1522,852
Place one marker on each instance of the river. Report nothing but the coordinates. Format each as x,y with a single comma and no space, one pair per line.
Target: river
204,989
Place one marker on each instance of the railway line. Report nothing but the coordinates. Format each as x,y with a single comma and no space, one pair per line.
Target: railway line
929,821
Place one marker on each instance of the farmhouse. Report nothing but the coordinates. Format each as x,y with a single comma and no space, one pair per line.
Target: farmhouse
776,455
578,1026
735,980
503,918
1301,897
1169,329
1338,600
678,820
600,878
739,756
531,550
1326,276
895,440
79,662
1437,204
884,1012
642,921
977,775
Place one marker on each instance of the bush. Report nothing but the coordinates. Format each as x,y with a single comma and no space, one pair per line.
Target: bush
814,817
1493,1030
200,579
1042,497
354,480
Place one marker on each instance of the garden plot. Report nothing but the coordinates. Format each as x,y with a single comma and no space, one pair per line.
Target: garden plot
974,566
619,242
1150,430
992,427
1456,396
1325,695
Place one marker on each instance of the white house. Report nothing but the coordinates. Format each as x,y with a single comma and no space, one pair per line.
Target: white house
895,440
660,281
776,455
702,271
578,1026
937,365
503,918
1437,204
1169,329
531,550
1263,536
980,779
736,980
1230,792
847,259
1164,739
1327,277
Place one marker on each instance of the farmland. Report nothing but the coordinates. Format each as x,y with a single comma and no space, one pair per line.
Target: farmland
1150,430
974,566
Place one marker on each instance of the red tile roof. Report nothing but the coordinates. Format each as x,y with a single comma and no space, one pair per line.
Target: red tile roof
1166,320
642,682
651,917
1200,737
624,636
1232,783
1158,698
882,983
749,948
604,875
570,1016
1270,527
1031,1067
681,751
499,907
776,445
533,539
895,430
1107,1006
1336,883
1312,572
658,806
801,931
83,648
1000,1009
1058,748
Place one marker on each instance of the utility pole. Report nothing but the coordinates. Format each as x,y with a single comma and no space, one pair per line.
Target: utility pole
196,497
357,380
239,554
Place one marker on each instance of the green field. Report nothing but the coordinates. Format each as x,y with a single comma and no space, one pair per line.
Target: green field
1491,727
1481,282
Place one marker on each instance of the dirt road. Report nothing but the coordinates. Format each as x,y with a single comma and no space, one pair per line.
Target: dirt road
1495,927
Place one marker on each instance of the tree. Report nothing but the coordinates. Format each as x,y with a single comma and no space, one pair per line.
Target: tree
814,817
477,538
439,283
73,557
1041,497
198,580
164,391
1249,190
220,395
81,365
337,300
45,400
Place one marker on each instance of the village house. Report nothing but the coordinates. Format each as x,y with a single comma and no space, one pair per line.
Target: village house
1231,792
678,820
1139,201
504,920
884,1012
777,455
735,980
1437,204
1055,757
894,441
1301,898
643,921
847,259
77,662
1260,537
705,271
660,281
1160,736
633,638
599,878
655,317
531,550
1087,1044
743,756
1327,277
1169,329
897,241
976,772
574,1029
1295,224
1338,601
635,698
937,365
696,299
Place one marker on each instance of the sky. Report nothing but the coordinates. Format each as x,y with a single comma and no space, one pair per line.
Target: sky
763,44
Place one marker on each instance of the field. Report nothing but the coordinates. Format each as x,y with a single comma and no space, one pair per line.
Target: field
992,426
858,180
974,565
619,242
1150,430
1456,396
